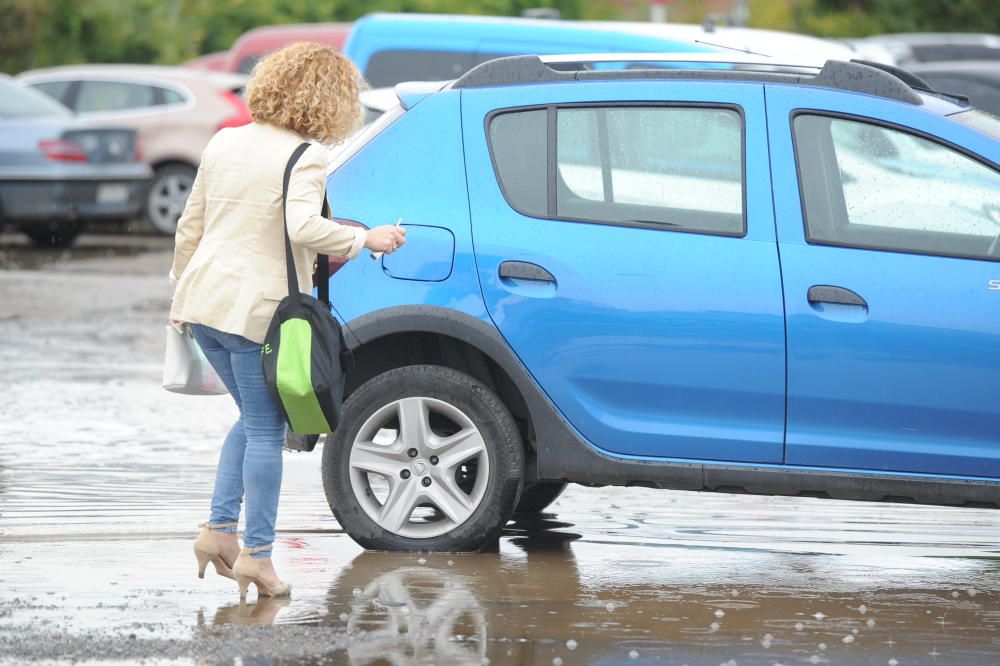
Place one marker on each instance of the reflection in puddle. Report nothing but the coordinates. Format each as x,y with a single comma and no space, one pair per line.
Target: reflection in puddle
552,594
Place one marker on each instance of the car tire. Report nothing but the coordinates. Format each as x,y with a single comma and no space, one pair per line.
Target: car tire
53,234
536,497
167,196
424,440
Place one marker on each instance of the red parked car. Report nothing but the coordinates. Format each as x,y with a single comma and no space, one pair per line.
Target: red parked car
254,44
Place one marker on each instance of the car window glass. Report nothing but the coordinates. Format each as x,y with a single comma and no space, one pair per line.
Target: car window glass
18,101
518,144
113,96
984,122
172,96
57,90
869,186
247,64
390,66
679,167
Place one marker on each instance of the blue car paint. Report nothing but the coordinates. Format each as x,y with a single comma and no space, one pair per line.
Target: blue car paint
417,167
656,342
414,169
497,36
429,256
913,384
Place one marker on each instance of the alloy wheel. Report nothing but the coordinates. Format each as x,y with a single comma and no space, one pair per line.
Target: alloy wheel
419,467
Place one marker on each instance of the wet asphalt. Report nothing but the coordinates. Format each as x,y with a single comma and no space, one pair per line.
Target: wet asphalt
104,478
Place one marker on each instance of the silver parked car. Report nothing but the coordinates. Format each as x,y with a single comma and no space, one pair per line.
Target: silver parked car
56,174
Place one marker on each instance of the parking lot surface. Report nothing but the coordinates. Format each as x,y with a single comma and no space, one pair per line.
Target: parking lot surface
104,478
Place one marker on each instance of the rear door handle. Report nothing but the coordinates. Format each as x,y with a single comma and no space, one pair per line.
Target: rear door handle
522,270
826,294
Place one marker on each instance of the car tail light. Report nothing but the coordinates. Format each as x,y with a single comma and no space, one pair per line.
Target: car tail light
242,113
336,263
61,150
139,155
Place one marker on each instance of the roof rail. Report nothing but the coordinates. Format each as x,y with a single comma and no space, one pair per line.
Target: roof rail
855,76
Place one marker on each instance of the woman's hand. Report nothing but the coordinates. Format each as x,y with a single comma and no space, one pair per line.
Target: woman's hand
387,239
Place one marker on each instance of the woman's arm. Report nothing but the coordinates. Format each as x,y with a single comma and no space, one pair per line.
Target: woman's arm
306,226
191,224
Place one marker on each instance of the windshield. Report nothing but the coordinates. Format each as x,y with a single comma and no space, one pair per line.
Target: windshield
986,123
17,101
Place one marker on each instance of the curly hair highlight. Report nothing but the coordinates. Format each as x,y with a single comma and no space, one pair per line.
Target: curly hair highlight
308,88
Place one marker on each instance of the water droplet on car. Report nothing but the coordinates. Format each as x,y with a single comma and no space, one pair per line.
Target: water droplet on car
571,644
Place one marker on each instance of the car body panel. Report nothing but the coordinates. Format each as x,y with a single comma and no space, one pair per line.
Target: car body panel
659,354
415,166
911,384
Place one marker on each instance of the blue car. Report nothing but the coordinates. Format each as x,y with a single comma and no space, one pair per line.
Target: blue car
756,279
391,48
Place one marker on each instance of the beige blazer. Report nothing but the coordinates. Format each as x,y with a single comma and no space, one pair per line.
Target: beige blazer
229,256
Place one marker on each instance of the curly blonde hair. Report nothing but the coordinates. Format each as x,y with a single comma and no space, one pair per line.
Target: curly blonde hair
308,88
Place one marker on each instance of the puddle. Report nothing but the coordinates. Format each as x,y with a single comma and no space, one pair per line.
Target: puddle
104,478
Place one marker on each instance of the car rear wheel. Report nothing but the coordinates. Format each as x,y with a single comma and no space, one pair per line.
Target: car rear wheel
168,195
538,496
425,458
53,234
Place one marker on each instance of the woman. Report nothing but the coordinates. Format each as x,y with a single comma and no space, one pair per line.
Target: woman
229,267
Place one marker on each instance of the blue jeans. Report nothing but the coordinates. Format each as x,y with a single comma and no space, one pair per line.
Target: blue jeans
250,463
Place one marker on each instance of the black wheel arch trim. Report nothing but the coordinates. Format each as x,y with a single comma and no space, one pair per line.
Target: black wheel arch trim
563,456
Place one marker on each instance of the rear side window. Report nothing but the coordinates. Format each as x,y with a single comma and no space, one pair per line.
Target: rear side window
875,187
171,96
113,96
57,90
677,168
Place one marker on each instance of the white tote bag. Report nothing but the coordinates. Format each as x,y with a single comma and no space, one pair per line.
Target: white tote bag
185,368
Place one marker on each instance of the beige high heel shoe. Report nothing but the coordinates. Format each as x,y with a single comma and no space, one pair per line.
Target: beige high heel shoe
247,570
206,549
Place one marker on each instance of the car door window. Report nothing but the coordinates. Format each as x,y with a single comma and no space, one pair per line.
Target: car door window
676,168
95,96
866,185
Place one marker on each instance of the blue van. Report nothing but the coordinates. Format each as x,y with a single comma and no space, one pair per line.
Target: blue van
390,48
759,279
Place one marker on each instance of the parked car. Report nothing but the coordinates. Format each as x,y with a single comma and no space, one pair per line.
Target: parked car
909,48
390,48
254,44
979,80
754,279
174,109
56,174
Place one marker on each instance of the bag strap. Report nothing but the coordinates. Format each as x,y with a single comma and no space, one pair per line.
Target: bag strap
293,280
323,267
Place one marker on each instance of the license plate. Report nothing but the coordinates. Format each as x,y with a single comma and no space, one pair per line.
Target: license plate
117,193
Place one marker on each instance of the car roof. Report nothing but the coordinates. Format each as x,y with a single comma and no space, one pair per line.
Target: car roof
854,76
779,43
139,72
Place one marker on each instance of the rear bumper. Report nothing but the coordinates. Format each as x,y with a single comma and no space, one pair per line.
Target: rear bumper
24,202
